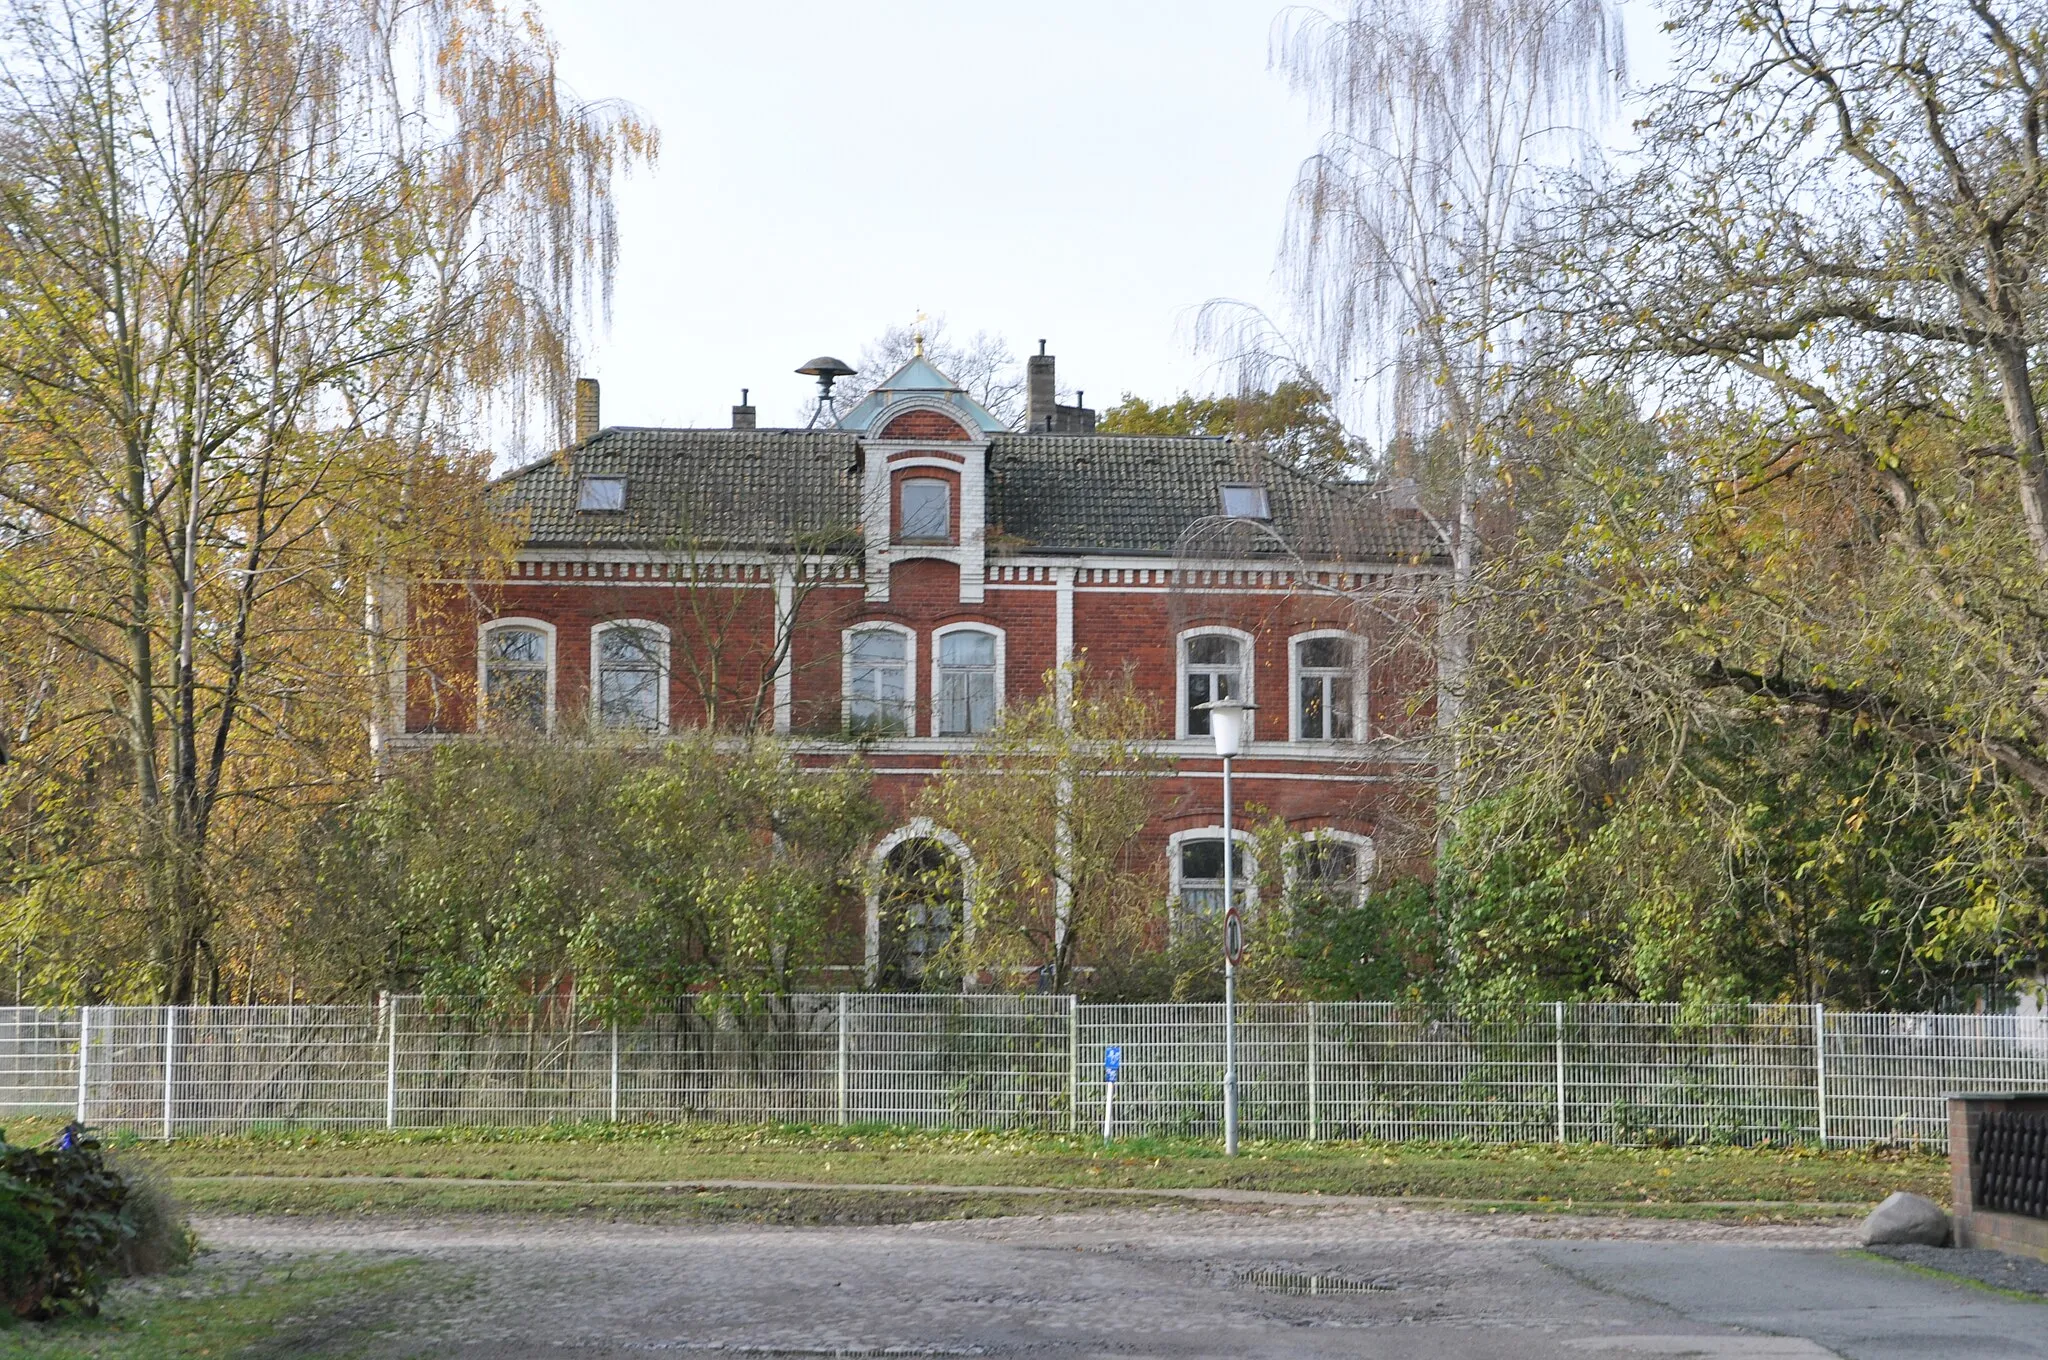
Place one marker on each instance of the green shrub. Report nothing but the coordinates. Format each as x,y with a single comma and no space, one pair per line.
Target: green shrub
69,1222
26,1237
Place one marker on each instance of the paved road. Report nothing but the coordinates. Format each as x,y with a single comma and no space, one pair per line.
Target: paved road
1171,1282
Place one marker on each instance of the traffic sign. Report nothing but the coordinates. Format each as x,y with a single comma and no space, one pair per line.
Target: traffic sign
1112,1062
1233,936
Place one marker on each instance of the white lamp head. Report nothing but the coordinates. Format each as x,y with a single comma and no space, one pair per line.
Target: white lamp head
1226,724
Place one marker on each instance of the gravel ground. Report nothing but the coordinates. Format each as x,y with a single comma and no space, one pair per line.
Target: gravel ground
1158,1282
1994,1268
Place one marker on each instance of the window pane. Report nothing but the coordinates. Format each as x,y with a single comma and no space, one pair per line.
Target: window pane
516,697
878,644
630,700
518,644
1327,653
1343,716
1211,650
1313,710
927,509
1329,863
1245,502
1198,694
981,701
602,493
967,649
1201,860
629,646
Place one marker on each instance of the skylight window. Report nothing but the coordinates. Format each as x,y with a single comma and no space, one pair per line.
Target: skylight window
1246,502
602,493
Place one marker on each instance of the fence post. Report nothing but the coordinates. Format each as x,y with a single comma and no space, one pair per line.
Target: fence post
842,1057
1074,1062
84,1041
615,1071
1820,1069
1312,1071
391,1061
1559,1017
170,1063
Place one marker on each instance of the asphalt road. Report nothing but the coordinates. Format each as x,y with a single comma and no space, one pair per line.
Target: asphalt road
1171,1282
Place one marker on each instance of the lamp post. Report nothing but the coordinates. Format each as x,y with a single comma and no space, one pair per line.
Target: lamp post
1226,725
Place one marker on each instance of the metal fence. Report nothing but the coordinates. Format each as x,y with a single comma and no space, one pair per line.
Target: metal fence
1619,1073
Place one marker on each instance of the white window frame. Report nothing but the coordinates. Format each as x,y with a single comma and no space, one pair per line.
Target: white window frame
1180,677
909,673
1002,665
1362,846
483,665
658,631
1247,891
1359,703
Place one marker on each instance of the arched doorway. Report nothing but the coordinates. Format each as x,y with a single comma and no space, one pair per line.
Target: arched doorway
919,877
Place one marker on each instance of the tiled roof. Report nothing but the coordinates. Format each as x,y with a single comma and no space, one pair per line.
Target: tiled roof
693,488
1141,495
1046,494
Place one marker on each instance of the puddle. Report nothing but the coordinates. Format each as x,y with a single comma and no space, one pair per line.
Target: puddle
1290,1282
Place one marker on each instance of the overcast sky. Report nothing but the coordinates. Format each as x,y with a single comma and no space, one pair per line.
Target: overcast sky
1089,171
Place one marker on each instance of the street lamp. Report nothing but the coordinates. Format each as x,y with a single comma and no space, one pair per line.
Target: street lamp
1226,725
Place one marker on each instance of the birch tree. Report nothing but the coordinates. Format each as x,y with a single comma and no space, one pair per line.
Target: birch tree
1441,119
270,273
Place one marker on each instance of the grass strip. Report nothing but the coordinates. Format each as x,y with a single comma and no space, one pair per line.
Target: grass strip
1533,1173
795,1207
237,1305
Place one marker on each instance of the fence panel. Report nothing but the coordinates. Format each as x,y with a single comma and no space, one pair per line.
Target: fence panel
1646,1072
958,1061
1887,1074
772,1061
1624,1073
38,1060
1172,1072
1398,1072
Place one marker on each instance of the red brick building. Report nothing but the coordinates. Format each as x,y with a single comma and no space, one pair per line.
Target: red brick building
889,582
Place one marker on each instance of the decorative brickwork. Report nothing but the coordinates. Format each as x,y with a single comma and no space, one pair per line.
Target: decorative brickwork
913,425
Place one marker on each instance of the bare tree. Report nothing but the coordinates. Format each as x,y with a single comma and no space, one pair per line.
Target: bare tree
1442,116
983,364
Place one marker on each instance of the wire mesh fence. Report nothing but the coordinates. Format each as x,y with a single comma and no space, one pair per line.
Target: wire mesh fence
1619,1073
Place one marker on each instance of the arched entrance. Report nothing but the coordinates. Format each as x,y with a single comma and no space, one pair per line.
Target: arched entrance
917,905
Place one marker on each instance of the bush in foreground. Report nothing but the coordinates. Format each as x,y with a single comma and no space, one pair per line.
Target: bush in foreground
70,1222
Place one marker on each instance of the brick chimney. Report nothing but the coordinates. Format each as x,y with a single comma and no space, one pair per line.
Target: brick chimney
587,423
743,414
1040,393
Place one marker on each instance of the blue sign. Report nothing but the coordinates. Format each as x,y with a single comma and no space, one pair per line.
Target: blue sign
1112,1060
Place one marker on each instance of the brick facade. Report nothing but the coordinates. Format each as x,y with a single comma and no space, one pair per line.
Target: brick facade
1111,606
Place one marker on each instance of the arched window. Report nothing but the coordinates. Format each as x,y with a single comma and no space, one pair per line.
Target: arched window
1215,663
920,880
967,688
1195,868
516,665
630,676
1329,687
878,684
1329,871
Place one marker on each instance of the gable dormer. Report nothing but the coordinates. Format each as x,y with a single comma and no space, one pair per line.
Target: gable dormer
924,483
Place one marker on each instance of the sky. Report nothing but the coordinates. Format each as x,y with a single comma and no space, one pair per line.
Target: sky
1086,171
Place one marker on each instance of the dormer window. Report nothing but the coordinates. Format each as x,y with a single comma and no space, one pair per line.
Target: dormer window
606,494
926,512
1245,502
